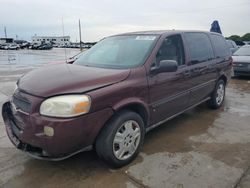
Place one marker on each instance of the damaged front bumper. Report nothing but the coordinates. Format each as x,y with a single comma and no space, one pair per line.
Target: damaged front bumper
72,136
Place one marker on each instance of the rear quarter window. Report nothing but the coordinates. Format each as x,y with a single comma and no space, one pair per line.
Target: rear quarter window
199,47
220,46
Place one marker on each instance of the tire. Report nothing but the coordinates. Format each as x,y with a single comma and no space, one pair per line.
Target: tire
118,143
218,95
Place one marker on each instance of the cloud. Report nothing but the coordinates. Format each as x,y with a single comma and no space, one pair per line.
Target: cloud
101,18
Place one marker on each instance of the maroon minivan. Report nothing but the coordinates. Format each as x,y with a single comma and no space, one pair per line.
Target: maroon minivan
115,92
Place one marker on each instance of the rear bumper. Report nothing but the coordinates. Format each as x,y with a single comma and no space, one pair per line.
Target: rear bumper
242,71
71,136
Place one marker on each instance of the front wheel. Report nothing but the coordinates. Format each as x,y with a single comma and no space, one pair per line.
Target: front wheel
121,139
218,95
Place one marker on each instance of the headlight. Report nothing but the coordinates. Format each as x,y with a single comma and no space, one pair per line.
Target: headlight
66,106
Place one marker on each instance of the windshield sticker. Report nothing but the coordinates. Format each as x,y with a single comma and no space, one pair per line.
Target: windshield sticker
145,37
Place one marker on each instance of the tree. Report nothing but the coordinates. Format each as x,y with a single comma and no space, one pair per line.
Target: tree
246,37
235,38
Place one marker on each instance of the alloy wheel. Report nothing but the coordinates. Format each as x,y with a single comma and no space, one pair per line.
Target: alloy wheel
126,140
220,93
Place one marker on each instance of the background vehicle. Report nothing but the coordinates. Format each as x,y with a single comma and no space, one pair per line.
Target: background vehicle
232,45
45,46
13,47
115,92
2,46
9,46
241,61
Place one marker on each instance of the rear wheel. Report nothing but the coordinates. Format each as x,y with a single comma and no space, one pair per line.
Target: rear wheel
121,139
218,95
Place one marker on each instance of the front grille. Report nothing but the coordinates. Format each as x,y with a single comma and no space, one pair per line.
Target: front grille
21,103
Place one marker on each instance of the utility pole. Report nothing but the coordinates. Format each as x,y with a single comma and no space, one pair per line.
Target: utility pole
5,32
65,53
80,34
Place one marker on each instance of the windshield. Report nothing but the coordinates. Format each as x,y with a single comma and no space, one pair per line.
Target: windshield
243,51
118,52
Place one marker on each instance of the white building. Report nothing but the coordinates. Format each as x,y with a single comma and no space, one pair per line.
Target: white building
60,41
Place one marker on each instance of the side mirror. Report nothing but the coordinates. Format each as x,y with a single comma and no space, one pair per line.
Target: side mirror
165,66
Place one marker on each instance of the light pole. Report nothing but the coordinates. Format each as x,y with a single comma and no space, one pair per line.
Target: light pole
80,34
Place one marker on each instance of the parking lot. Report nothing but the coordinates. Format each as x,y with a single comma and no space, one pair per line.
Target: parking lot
200,148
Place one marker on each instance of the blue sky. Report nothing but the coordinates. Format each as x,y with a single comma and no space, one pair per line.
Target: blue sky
26,18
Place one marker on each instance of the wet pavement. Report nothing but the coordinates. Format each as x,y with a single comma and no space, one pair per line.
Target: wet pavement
200,148
15,60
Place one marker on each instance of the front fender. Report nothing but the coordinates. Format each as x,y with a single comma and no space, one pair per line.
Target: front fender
132,103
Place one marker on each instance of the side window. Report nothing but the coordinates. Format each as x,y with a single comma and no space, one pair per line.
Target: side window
199,47
220,46
172,49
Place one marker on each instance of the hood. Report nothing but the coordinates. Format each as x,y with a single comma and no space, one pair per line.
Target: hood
66,78
241,59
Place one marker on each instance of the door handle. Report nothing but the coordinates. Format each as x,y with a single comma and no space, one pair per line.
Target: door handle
187,73
197,70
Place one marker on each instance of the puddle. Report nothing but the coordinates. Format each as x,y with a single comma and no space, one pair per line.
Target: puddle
30,59
229,128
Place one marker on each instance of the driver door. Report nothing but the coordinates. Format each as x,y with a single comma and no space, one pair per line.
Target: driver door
169,91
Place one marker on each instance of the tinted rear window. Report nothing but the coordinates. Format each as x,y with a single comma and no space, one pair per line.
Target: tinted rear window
220,46
199,47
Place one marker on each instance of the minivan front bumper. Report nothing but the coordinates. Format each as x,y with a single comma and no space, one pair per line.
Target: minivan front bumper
71,135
